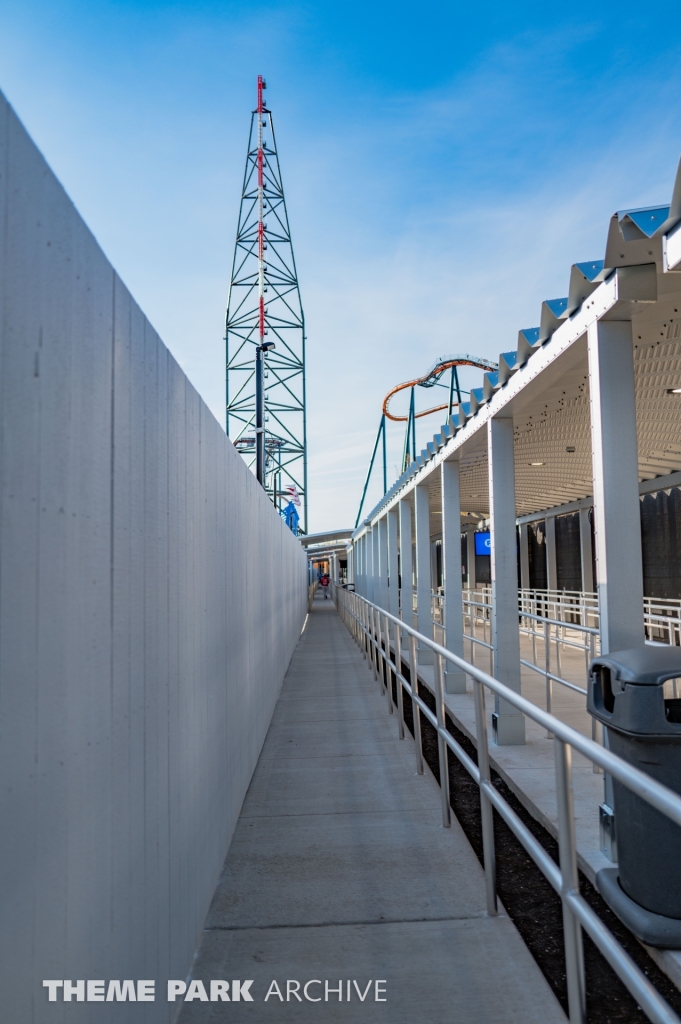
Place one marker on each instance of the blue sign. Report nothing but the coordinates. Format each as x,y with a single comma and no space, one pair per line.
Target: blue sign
483,543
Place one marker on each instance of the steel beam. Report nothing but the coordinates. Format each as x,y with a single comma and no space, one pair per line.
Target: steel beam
393,545
423,580
406,566
615,474
551,560
586,550
509,724
369,556
455,679
470,548
382,540
524,556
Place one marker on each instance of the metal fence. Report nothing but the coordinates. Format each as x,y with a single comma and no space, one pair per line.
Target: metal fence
554,621
551,625
310,594
661,617
371,628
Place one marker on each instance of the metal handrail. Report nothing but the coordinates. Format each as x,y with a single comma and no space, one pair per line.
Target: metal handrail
558,622
370,626
310,594
558,638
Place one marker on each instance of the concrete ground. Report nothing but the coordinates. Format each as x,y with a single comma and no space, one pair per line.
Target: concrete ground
340,872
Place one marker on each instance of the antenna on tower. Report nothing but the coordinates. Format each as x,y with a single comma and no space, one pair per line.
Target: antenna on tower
265,381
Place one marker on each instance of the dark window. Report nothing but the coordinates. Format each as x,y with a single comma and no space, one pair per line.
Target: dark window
483,569
568,552
536,543
661,542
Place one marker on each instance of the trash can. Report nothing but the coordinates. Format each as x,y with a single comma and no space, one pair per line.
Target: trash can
627,694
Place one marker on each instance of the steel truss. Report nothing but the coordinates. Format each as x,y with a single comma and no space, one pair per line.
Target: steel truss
264,299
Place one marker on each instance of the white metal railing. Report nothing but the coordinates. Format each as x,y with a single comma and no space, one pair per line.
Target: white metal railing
663,620
573,606
477,617
310,594
370,627
553,635
661,616
554,621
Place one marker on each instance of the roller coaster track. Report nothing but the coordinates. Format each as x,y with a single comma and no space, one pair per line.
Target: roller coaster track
430,379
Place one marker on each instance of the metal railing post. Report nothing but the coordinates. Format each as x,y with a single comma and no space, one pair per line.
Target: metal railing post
398,682
369,637
547,660
489,855
388,666
362,628
416,711
572,932
380,657
441,744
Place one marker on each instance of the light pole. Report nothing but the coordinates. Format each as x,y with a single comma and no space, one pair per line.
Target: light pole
260,351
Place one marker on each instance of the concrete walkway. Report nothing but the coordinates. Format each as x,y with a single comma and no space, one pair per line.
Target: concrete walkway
339,870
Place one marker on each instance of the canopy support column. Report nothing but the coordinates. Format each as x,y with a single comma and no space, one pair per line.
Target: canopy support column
551,560
406,567
455,679
470,548
586,550
524,556
393,544
423,580
615,474
382,541
509,724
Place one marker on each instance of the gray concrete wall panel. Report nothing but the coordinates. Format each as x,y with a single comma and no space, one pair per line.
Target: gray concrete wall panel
150,601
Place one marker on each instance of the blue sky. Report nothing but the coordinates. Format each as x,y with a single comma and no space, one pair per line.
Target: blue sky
444,165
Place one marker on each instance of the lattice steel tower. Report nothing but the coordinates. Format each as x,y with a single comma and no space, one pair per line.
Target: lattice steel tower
264,306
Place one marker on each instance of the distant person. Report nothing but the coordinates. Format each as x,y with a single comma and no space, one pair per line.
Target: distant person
324,583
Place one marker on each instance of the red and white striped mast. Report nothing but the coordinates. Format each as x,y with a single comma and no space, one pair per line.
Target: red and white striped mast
264,301
260,348
261,203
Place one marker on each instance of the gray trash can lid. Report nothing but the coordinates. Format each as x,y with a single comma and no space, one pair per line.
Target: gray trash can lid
645,666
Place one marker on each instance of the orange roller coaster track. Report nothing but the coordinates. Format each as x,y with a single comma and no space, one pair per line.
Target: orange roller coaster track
430,379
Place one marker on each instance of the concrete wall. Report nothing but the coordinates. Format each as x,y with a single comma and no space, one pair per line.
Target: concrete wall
150,601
